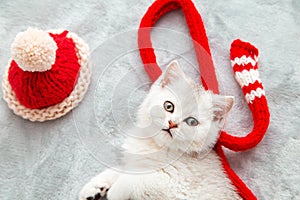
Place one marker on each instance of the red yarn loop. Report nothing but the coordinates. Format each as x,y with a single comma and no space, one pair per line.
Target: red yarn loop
38,90
197,32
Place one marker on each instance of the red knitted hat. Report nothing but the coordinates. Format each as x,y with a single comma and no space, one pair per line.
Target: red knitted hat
244,58
48,74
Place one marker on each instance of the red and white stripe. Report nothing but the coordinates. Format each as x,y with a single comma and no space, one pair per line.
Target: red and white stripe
246,74
245,60
246,77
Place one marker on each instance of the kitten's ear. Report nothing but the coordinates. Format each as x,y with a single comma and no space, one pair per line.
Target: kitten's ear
221,106
173,73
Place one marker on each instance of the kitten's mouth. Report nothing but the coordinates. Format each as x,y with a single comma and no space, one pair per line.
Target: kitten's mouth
168,131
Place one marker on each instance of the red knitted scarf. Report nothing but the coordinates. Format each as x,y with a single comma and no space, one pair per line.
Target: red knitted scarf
243,57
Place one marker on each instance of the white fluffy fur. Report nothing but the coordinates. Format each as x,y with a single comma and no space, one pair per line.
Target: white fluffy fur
179,165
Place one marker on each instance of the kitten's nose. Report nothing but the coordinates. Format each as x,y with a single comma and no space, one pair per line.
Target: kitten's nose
172,124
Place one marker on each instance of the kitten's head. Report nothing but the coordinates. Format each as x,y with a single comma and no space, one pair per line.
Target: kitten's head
180,115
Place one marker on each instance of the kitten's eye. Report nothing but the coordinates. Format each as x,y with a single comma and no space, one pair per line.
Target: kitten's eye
191,121
169,106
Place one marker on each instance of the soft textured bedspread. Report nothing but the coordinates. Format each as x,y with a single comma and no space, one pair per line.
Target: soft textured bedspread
53,160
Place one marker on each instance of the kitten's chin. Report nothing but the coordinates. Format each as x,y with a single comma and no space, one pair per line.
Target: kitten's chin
184,146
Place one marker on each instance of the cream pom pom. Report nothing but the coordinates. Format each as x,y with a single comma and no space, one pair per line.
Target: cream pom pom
34,50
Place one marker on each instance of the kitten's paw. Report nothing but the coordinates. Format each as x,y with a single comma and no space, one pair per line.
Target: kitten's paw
94,190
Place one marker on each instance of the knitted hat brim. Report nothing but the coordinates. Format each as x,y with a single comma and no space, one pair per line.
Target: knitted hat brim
62,108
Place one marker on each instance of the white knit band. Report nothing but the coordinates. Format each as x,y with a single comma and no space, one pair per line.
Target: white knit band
244,60
246,77
253,94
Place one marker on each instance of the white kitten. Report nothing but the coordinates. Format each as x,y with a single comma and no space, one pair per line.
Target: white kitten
169,154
